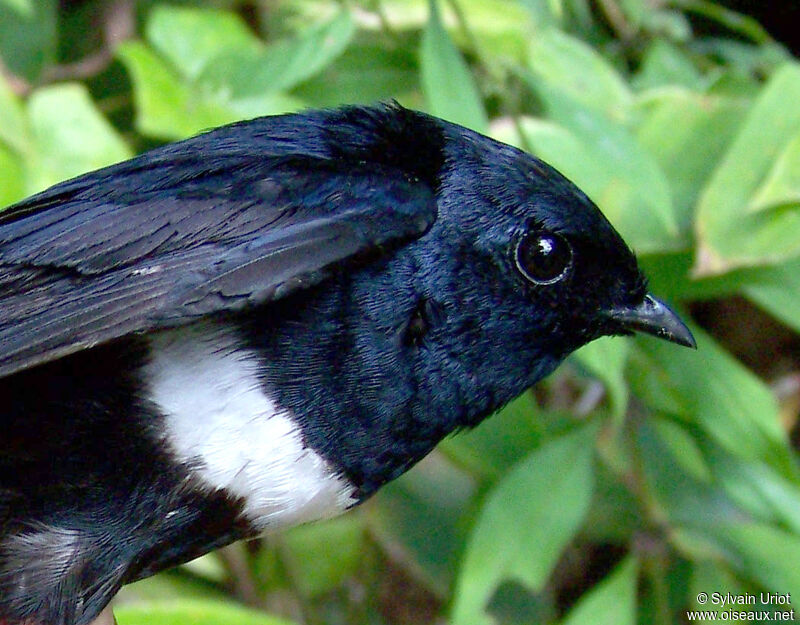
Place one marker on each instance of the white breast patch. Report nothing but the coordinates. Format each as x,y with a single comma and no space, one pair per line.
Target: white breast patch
220,419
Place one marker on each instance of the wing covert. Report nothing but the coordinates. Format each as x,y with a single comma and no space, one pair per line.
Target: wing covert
149,244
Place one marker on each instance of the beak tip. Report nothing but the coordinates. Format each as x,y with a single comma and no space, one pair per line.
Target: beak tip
654,317
686,339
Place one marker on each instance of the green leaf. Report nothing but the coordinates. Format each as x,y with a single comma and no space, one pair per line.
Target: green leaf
782,185
196,612
763,553
210,566
708,387
321,556
675,495
28,38
166,107
606,162
12,180
15,145
731,233
580,13
687,133
611,602
574,68
171,585
420,519
496,444
758,489
746,58
734,83
190,37
70,136
545,12
13,125
708,577
670,24
447,83
606,358
23,8
634,12
365,73
497,30
526,522
242,74
683,447
664,64
777,290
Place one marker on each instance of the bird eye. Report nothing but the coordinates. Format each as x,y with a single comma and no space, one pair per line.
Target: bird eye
543,257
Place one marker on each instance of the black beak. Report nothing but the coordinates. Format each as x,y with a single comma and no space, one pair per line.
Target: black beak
654,317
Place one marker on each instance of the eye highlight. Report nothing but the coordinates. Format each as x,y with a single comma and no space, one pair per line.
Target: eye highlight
543,257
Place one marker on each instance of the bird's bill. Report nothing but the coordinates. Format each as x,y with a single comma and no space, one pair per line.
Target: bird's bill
654,317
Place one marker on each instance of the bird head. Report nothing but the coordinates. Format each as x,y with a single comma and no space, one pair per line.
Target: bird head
536,270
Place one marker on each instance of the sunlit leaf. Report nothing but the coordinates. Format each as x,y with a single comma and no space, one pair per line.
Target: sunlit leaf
731,233
782,185
170,585
13,125
573,67
447,83
634,12
24,8
165,106
70,136
239,74
708,577
196,612
189,37
210,567
545,12
605,161
686,133
501,28
527,520
672,24
12,180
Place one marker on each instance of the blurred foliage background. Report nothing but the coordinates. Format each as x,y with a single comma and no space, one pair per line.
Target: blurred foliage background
641,474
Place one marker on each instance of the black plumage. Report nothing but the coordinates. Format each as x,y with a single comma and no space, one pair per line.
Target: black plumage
216,223
394,278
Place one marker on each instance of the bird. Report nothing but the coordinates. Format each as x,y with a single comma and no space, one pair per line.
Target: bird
261,325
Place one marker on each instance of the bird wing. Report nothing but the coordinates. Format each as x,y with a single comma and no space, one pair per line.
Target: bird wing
151,243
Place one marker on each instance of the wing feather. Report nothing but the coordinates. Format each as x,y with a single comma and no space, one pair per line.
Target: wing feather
146,245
